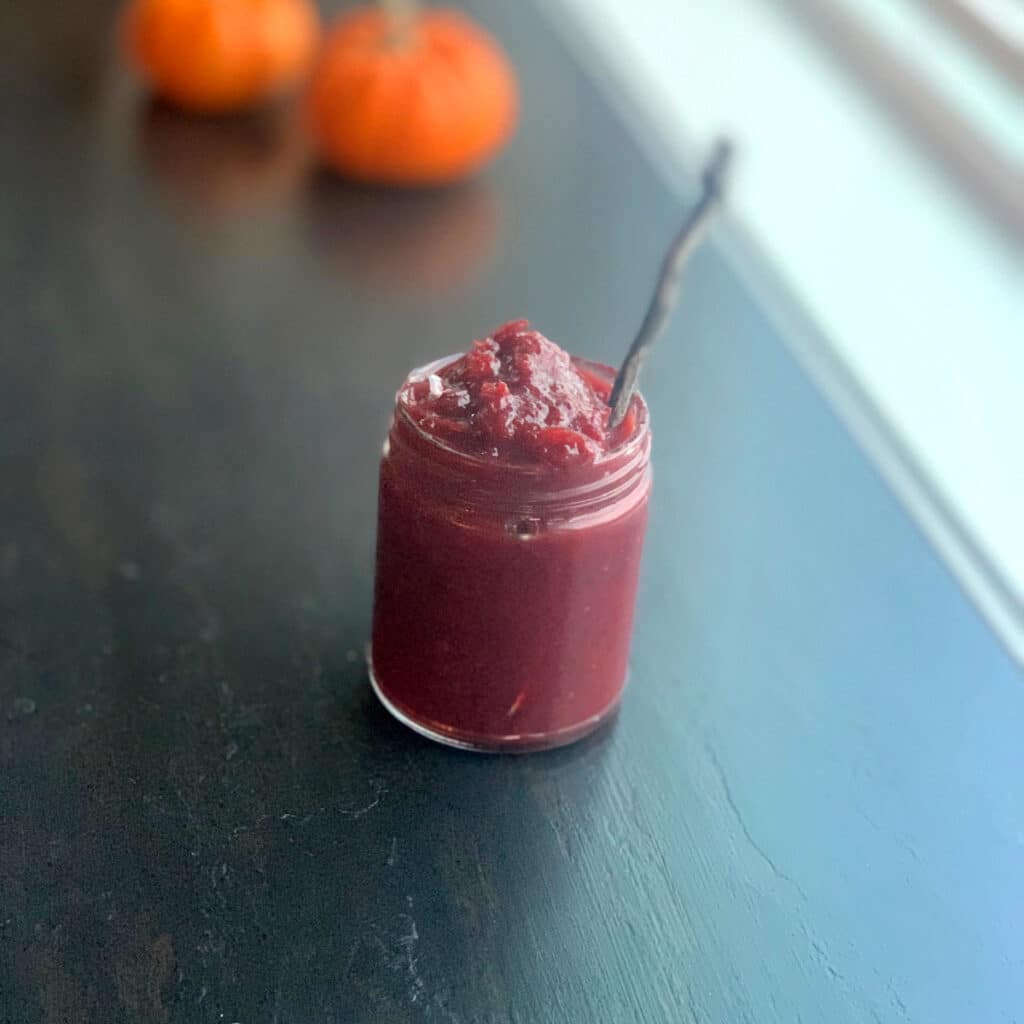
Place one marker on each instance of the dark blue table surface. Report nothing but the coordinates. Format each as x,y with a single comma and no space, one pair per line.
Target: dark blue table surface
810,808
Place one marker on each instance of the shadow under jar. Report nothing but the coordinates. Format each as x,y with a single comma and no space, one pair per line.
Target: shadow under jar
504,594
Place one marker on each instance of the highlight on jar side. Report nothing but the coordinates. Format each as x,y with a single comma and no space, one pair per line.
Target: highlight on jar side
512,508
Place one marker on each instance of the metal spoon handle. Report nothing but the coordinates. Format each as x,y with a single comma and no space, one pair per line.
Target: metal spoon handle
667,290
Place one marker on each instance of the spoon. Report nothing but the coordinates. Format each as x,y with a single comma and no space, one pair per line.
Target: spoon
666,291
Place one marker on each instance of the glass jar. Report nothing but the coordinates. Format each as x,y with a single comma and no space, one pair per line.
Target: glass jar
504,593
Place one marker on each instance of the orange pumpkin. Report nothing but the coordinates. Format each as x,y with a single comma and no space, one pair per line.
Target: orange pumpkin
215,56
422,101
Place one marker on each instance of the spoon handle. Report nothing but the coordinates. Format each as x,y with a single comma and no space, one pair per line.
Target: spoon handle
667,290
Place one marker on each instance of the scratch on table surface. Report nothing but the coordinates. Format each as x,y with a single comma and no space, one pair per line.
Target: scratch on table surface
408,943
897,1000
298,818
393,855
218,875
360,811
401,956
345,812
21,707
379,790
819,949
898,1004
730,801
902,839
304,820
822,956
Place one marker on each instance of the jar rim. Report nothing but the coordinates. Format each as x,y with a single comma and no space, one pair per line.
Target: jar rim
527,488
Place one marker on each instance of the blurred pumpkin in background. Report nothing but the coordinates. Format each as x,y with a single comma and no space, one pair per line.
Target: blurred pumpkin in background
405,96
215,56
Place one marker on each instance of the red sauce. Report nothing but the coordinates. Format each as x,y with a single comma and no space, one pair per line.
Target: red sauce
510,528
518,397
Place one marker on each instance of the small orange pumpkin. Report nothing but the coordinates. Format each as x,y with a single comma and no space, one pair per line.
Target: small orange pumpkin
424,100
214,56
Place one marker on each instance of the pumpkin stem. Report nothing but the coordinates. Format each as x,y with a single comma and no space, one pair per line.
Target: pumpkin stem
402,15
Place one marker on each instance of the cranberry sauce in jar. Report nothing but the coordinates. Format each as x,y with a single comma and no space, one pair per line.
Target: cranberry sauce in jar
510,527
